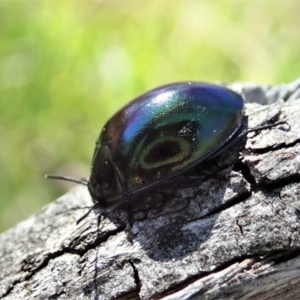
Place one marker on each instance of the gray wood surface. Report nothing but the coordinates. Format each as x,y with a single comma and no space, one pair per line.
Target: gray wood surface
231,234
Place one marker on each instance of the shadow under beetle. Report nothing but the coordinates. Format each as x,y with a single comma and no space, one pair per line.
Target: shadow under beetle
158,136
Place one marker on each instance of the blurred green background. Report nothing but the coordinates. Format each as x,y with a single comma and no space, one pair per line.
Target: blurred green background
66,66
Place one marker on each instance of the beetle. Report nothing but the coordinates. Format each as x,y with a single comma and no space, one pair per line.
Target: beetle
160,135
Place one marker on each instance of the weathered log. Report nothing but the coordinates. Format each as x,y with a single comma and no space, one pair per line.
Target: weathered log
232,234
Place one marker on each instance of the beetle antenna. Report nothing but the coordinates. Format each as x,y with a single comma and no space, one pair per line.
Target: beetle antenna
267,126
82,181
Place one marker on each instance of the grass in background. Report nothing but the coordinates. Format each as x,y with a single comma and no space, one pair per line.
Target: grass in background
66,66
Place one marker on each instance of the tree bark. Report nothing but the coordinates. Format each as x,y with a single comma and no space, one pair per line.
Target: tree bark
232,234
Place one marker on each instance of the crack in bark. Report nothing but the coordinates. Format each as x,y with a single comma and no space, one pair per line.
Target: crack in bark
240,226
265,185
281,256
274,147
137,279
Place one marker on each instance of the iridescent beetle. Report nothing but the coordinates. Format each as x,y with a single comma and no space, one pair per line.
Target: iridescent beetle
160,135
